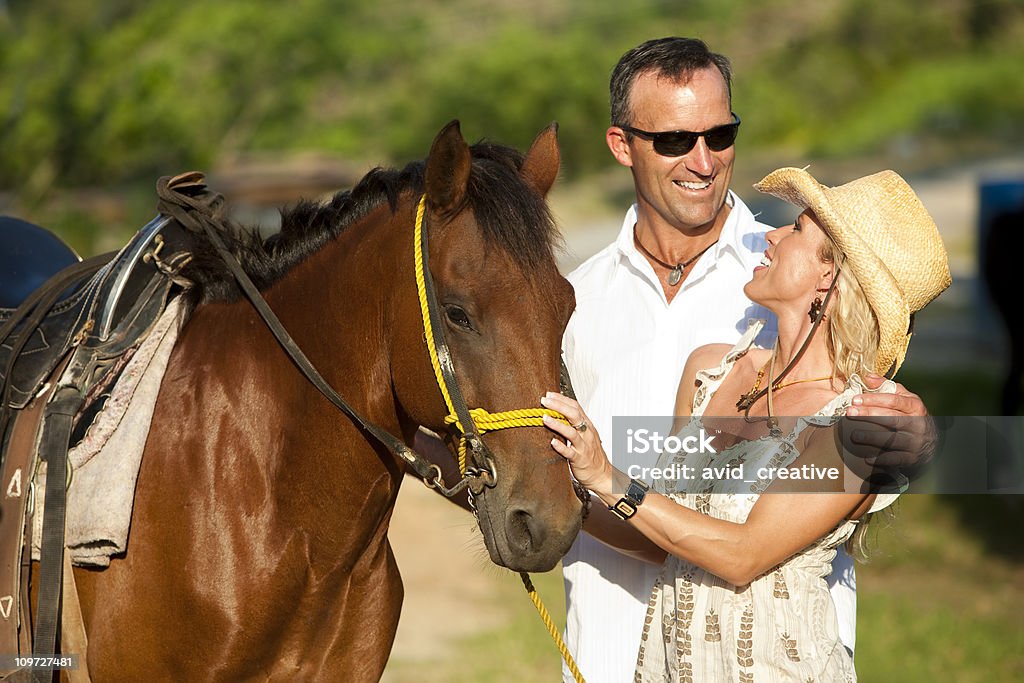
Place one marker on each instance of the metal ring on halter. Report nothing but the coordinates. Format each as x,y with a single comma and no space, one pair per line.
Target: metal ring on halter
581,427
489,476
438,481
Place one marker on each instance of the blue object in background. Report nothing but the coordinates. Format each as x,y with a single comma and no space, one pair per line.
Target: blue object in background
996,196
29,255
1000,245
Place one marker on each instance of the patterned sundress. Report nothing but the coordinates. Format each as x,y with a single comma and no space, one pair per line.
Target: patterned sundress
780,627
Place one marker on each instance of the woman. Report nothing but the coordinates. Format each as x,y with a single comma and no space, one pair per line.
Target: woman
742,593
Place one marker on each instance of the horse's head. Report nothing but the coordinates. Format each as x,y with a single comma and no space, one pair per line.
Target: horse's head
502,308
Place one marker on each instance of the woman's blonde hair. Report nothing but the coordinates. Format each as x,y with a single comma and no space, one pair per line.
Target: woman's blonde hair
853,345
852,326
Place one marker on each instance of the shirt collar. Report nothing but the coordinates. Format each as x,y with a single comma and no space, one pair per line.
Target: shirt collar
730,241
735,230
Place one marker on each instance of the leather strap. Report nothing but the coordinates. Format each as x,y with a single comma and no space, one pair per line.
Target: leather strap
54,446
565,381
482,456
203,216
15,533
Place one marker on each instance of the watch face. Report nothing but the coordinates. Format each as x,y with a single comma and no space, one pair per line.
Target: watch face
624,509
636,491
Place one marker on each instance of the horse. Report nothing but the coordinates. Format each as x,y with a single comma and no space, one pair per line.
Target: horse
258,546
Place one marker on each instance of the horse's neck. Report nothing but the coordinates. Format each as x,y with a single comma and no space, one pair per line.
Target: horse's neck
251,416
338,304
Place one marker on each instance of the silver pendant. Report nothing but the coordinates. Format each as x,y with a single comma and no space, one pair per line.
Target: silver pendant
675,275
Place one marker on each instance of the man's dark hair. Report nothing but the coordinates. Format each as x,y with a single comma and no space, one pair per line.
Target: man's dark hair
673,58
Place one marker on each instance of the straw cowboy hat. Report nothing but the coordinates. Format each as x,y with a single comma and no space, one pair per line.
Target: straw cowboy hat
890,243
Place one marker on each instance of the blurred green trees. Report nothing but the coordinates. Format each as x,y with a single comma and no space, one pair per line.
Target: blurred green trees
102,91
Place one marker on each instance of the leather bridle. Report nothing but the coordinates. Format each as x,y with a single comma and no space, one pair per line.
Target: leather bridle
187,199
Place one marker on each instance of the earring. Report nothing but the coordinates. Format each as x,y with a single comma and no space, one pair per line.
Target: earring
815,312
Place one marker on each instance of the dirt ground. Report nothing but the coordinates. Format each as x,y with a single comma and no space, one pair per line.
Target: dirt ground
443,562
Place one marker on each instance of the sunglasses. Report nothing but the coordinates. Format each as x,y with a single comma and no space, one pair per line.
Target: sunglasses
676,143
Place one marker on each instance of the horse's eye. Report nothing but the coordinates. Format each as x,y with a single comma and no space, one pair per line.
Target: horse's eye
458,317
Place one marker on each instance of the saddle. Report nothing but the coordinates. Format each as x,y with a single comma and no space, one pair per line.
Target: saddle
59,354
117,296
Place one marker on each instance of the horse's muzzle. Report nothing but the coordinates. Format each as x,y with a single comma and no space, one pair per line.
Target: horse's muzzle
521,537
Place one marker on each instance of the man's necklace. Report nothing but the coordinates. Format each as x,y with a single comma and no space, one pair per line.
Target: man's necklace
677,270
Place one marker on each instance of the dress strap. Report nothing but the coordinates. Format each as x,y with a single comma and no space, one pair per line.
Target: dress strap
710,379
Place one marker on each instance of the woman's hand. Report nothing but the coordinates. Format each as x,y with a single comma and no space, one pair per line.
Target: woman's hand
580,443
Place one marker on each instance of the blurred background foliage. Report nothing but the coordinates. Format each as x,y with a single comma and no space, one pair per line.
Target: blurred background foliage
100,92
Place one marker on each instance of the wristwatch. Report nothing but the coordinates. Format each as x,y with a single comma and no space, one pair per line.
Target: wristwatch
627,505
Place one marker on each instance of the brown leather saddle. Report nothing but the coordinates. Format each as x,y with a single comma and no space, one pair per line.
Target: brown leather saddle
59,354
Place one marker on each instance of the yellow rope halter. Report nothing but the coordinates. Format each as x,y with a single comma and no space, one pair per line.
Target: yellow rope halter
484,421
489,422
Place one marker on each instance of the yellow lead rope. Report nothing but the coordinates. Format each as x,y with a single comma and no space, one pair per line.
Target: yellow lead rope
555,635
485,422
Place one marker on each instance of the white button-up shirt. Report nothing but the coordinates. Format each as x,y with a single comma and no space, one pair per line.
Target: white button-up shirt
625,347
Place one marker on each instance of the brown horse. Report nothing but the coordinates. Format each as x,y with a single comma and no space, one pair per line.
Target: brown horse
258,546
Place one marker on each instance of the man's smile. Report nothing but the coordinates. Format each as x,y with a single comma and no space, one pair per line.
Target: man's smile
692,185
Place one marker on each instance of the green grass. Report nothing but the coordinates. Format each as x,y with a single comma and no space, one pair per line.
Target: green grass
937,601
916,640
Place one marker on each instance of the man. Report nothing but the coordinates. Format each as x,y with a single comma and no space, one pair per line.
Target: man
671,282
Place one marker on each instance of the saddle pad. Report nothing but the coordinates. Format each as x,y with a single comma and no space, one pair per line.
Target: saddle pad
105,464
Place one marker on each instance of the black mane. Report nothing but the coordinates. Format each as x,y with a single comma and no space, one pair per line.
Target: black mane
512,216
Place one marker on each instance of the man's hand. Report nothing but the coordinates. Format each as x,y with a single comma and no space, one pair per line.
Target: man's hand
890,430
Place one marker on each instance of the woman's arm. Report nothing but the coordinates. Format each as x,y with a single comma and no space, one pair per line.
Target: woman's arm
781,524
620,536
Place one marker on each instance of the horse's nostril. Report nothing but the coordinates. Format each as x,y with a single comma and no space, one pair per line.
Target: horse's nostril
524,531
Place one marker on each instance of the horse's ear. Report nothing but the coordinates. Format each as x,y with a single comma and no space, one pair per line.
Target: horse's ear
448,168
541,166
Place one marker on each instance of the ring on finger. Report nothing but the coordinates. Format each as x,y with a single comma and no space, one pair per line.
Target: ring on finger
581,427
